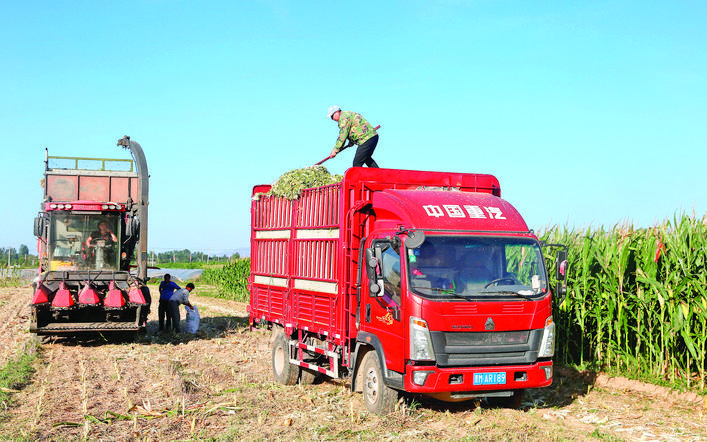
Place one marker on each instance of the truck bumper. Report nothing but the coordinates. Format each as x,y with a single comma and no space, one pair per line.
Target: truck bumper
462,383
87,320
71,328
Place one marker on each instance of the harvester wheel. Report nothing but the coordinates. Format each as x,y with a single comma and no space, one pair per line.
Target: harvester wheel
283,372
380,399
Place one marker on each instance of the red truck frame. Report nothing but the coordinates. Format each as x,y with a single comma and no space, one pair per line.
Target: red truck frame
404,281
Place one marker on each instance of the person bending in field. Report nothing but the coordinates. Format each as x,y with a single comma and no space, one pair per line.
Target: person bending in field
167,288
179,297
354,128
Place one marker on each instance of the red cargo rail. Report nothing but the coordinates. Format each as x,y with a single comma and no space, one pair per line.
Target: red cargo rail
298,246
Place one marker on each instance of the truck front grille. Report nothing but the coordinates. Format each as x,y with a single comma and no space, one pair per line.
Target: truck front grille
455,349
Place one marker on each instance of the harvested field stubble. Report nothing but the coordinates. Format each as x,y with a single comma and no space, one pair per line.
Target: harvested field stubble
218,385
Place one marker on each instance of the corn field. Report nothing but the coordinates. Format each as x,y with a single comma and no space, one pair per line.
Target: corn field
231,279
637,300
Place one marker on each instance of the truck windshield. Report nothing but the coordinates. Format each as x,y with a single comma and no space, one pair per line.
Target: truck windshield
84,242
449,267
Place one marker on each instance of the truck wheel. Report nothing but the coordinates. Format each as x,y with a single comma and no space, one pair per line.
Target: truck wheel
283,372
380,399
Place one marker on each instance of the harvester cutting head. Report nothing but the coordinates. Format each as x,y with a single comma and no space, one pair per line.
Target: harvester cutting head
135,295
88,295
114,298
63,298
41,295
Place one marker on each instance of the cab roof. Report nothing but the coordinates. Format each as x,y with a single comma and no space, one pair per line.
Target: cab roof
446,210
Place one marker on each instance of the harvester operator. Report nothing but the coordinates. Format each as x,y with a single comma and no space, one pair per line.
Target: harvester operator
103,233
354,128
101,243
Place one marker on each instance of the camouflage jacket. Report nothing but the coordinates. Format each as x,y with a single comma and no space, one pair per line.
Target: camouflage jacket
354,127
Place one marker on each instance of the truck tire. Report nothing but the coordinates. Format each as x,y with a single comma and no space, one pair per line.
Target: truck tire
379,398
283,372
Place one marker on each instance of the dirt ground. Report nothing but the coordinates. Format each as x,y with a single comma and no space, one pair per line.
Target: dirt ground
217,385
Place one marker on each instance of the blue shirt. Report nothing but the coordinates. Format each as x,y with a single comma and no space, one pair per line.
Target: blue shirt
166,289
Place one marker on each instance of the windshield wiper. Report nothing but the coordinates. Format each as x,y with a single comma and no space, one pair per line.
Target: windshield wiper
508,292
448,292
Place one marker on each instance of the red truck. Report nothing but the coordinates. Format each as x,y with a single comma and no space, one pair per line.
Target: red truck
93,214
404,281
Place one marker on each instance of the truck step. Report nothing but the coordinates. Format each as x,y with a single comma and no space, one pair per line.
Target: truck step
333,359
331,374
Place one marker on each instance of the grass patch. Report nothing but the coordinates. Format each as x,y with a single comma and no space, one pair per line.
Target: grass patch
12,281
17,374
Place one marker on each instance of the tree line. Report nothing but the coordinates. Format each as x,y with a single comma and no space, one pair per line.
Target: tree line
9,257
187,256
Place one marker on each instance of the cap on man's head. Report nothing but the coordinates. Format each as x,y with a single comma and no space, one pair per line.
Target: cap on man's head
332,110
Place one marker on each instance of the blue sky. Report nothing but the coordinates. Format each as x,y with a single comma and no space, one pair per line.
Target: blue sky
589,113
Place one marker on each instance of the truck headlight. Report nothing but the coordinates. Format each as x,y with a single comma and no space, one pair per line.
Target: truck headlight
547,344
420,341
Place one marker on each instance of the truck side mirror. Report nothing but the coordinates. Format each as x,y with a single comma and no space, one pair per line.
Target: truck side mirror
132,226
375,280
39,226
561,267
415,239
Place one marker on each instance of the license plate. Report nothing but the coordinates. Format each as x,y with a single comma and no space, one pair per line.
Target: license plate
495,378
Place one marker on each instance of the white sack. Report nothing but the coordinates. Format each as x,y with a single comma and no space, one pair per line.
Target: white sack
192,322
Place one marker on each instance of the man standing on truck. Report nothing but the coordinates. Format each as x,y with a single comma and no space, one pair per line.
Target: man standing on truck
354,128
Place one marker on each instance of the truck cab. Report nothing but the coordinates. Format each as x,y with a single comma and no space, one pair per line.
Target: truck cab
462,306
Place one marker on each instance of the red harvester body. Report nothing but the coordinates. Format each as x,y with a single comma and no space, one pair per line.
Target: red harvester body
93,214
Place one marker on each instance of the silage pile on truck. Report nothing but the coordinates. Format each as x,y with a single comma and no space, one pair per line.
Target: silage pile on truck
291,184
403,281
